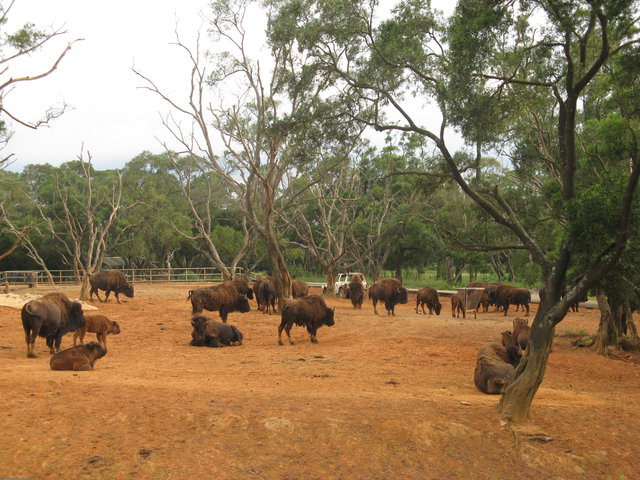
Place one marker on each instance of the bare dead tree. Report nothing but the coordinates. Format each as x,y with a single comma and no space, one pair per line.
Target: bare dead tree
262,130
17,47
79,227
202,218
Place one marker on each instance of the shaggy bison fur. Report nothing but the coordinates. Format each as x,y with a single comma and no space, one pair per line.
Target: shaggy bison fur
110,281
355,291
428,296
224,299
495,367
50,316
299,289
208,333
310,312
390,291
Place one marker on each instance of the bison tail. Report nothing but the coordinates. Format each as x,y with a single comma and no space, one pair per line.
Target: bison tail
189,297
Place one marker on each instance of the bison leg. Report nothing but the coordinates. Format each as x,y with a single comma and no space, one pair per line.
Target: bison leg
102,339
375,302
287,328
82,366
30,336
106,295
78,333
223,314
312,334
117,297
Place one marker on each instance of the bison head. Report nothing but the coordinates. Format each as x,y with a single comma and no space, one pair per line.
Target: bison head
128,290
97,350
514,354
76,318
199,324
243,304
402,295
437,307
115,328
328,317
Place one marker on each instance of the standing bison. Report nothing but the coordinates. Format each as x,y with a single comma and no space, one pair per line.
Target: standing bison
266,295
310,311
495,367
428,296
110,281
299,289
390,291
207,333
98,324
224,299
355,292
50,316
506,295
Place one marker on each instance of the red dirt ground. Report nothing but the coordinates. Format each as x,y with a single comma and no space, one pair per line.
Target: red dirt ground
377,398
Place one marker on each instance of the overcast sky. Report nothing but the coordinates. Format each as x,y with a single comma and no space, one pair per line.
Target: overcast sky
112,117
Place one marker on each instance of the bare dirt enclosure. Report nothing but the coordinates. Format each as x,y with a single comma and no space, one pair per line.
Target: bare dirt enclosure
377,398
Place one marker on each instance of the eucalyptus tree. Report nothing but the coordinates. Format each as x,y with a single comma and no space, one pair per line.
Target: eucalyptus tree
79,207
499,73
25,44
270,120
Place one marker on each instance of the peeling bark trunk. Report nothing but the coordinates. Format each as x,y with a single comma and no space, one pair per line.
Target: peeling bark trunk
518,397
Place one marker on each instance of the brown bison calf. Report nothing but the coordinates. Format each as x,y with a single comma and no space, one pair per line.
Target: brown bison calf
495,367
521,330
80,357
310,312
98,324
457,306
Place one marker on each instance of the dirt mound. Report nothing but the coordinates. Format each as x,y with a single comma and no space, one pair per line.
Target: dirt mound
378,398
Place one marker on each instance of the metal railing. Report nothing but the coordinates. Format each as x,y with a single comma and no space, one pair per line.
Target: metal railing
133,275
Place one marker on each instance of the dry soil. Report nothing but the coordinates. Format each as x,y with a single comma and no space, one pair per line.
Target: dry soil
378,398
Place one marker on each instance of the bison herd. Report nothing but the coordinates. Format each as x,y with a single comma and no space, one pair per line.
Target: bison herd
53,315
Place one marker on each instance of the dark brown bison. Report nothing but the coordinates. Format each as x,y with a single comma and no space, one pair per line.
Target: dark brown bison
506,295
110,281
299,289
266,295
31,279
354,291
208,333
310,312
80,357
428,296
495,367
390,291
50,316
225,299
98,324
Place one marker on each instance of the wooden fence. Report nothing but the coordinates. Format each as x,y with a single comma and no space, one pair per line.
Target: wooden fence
133,275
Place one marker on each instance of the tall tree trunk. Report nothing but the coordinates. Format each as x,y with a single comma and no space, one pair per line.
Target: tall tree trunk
84,287
606,329
516,402
331,281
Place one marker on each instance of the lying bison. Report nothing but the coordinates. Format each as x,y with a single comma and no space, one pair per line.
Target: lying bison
208,333
110,281
80,357
355,292
428,296
495,367
50,316
225,300
310,312
98,324
390,291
